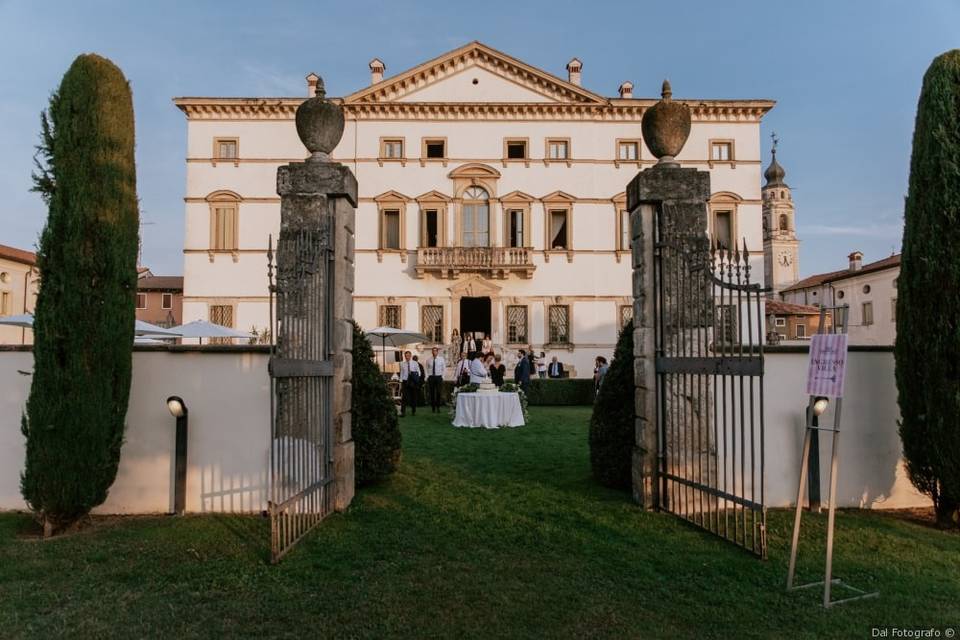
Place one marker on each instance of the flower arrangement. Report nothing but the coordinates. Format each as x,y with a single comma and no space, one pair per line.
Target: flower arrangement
467,388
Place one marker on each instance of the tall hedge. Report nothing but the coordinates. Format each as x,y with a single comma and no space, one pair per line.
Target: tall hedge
612,422
376,429
928,302
84,317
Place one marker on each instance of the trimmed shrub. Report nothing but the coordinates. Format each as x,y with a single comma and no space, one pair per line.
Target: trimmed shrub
563,391
376,429
84,318
612,424
928,307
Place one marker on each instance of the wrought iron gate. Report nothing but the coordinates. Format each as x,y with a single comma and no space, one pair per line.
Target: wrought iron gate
301,369
709,365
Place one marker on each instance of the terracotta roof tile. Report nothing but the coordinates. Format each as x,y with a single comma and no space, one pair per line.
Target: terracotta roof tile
158,283
832,276
17,255
780,308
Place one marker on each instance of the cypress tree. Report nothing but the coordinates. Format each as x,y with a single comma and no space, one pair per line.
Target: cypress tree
376,430
928,303
612,423
84,320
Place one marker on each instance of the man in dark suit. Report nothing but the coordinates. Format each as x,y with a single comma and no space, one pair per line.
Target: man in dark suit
521,374
555,370
410,377
471,345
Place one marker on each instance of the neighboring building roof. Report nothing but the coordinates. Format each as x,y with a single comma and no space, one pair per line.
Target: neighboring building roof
160,283
833,276
143,271
17,255
779,308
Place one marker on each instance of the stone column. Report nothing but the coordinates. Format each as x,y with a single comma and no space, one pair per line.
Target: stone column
679,197
317,216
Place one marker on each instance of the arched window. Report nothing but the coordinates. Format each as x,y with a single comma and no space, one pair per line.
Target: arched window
784,222
783,194
476,217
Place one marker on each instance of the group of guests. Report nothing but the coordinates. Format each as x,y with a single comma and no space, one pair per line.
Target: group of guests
475,364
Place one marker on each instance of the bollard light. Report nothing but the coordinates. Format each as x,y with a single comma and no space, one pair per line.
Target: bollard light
820,405
178,409
176,406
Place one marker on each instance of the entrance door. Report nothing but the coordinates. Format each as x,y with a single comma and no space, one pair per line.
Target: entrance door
475,316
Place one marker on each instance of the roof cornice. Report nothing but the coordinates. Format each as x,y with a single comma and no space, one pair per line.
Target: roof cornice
199,108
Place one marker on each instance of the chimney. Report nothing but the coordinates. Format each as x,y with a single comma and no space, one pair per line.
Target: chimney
573,71
376,70
312,80
626,89
856,261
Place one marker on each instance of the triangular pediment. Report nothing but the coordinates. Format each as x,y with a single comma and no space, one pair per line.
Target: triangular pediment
558,196
391,196
475,73
517,196
474,287
433,196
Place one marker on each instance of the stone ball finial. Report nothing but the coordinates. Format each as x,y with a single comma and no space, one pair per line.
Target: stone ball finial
666,127
319,124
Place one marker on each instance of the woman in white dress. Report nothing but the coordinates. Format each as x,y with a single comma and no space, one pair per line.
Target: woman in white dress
456,346
478,372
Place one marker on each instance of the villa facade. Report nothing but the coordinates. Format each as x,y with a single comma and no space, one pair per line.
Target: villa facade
491,199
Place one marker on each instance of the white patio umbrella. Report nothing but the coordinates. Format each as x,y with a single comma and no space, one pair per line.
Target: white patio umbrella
22,320
145,340
394,338
146,329
203,329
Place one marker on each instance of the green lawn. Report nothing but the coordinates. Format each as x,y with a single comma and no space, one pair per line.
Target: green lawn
481,534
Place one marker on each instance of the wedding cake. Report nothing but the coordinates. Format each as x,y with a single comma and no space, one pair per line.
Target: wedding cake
487,386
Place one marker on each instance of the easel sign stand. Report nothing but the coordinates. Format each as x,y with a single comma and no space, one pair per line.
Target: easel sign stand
825,376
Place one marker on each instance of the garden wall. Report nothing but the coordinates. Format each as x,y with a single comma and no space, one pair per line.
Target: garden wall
226,391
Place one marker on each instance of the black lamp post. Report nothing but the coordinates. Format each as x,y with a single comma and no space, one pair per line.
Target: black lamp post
178,409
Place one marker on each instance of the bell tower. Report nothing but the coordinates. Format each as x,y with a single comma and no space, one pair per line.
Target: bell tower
781,249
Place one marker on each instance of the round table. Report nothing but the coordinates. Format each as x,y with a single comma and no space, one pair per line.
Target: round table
488,410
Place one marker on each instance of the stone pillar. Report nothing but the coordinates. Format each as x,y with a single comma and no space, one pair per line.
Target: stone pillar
318,199
678,197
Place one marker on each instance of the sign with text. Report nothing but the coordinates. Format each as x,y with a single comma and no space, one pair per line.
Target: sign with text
828,365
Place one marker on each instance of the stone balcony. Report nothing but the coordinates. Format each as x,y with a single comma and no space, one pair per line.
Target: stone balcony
494,262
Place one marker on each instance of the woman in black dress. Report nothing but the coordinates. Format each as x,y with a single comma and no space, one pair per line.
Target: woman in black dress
497,369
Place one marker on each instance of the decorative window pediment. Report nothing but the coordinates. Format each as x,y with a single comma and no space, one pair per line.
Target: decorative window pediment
433,196
559,196
391,196
474,170
517,196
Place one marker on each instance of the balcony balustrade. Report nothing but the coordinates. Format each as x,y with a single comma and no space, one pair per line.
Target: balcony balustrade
495,262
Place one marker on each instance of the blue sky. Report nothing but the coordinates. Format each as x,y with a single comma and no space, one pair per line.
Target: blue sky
846,76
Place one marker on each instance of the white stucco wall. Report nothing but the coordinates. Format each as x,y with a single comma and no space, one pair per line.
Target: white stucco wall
228,438
227,396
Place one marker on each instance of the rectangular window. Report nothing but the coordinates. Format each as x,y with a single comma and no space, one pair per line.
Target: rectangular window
166,301
5,303
516,228
517,324
141,301
559,324
431,323
624,230
558,149
225,148
476,225
800,330
867,313
626,314
225,228
221,314
721,151
390,316
780,322
392,149
516,149
628,150
435,149
391,229
723,229
559,234
431,231
893,309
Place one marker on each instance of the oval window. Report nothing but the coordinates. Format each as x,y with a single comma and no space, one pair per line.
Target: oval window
866,288
840,294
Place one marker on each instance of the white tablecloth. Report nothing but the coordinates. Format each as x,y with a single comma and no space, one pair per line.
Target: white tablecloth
488,410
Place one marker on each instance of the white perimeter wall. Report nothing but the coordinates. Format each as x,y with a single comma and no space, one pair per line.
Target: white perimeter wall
228,398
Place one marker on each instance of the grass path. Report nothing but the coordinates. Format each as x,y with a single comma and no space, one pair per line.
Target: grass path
481,534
